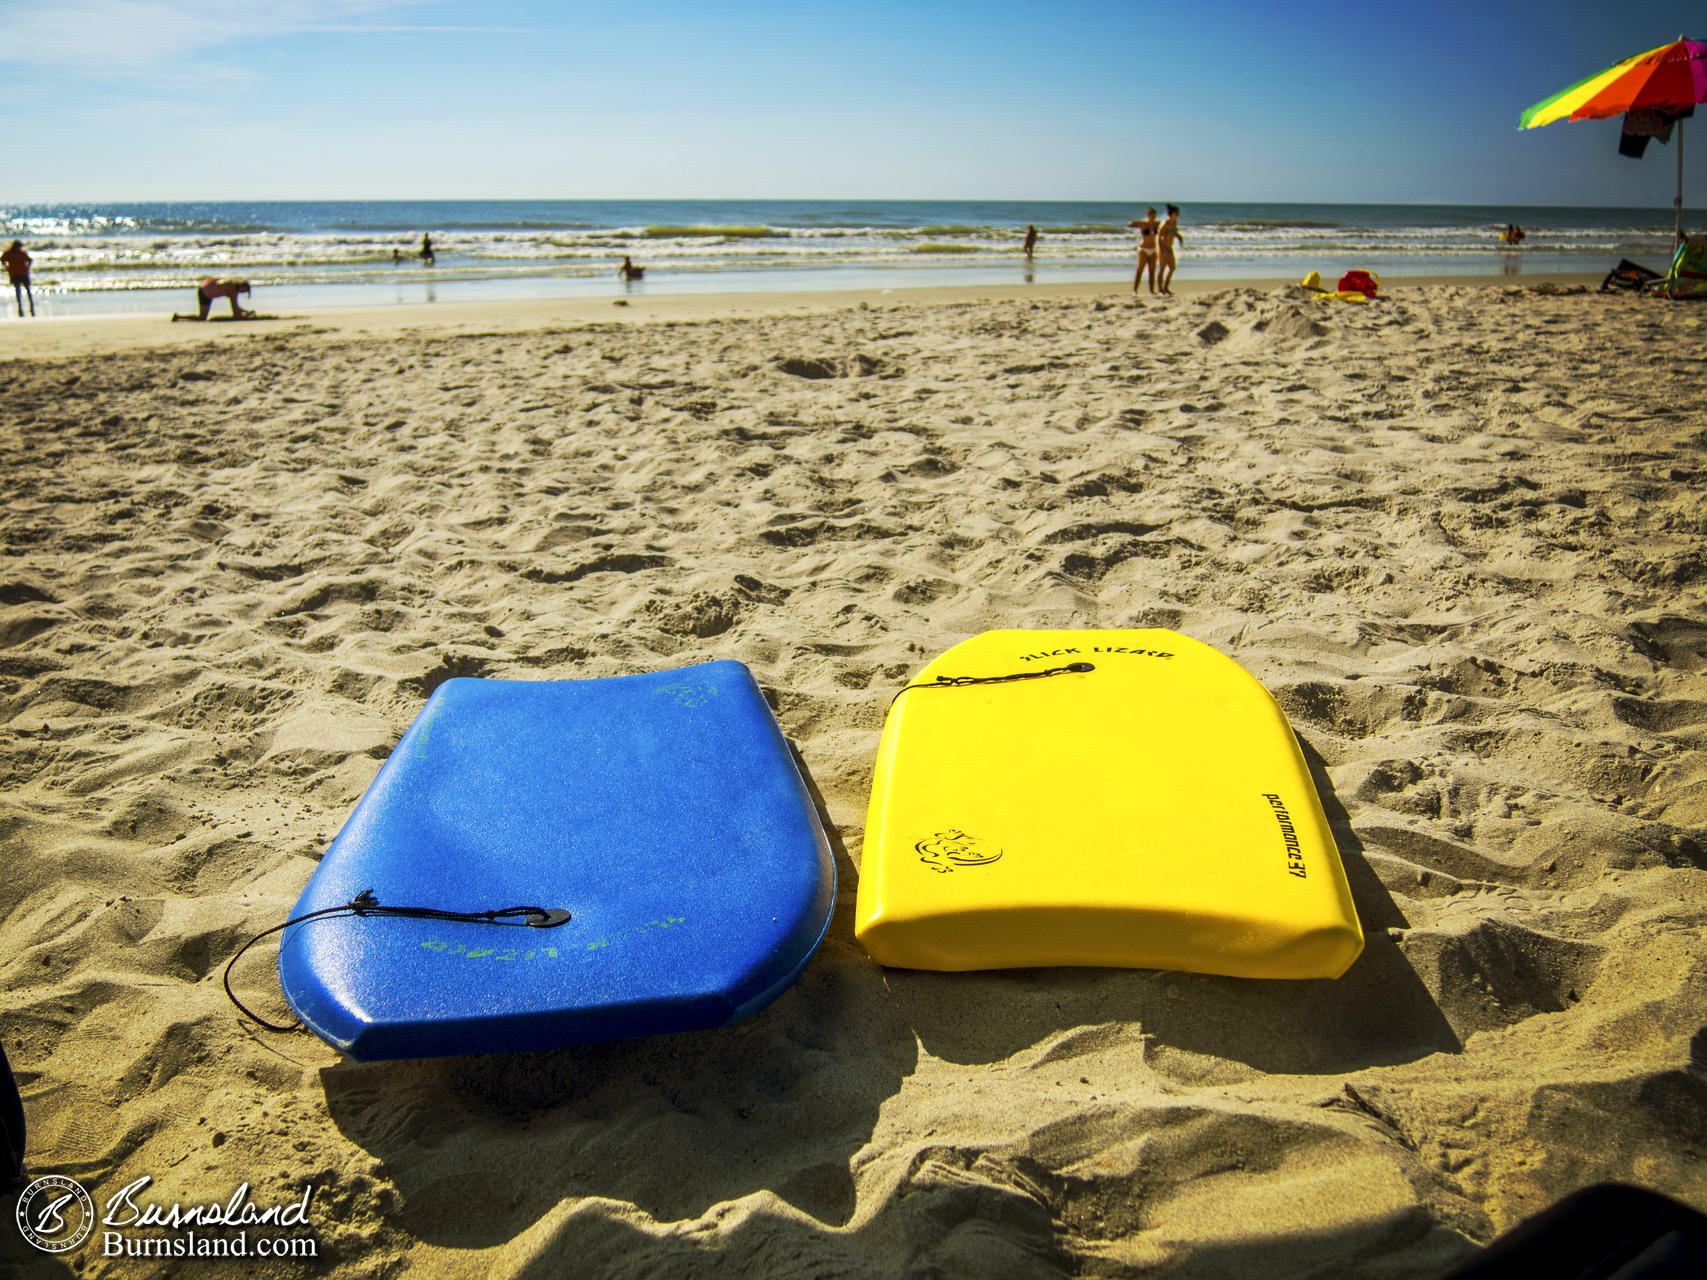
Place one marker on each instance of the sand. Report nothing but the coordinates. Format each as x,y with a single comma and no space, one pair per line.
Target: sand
1459,535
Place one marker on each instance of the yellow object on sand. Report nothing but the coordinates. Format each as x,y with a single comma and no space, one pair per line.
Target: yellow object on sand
1312,281
1150,811
1343,295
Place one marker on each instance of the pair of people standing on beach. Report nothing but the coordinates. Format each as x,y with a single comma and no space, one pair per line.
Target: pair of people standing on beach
1156,248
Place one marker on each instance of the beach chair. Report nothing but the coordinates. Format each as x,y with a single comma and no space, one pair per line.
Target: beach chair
1687,277
1629,276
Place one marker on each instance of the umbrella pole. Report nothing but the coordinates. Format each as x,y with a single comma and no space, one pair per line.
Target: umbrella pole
1677,203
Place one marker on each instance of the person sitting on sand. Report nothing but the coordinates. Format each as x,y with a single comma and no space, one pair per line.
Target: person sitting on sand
1146,247
210,289
628,271
18,271
1168,233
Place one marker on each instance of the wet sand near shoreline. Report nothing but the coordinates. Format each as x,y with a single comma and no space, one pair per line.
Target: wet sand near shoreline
98,335
1456,532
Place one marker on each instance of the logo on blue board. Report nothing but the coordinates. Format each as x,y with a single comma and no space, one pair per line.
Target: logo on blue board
689,695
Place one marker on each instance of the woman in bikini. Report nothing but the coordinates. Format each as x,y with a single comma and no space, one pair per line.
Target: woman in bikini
1146,248
1169,234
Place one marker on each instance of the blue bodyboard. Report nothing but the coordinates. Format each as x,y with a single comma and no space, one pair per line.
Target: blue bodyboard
664,812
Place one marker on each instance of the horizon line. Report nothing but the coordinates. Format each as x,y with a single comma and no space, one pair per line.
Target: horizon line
867,199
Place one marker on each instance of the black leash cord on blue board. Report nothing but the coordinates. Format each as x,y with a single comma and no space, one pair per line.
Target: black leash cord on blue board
960,682
365,904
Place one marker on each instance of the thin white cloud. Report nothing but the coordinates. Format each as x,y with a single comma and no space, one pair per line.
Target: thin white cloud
145,35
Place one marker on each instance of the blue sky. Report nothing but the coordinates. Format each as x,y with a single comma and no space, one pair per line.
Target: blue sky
1236,100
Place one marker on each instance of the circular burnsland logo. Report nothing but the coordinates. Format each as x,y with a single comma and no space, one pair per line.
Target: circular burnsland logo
55,1213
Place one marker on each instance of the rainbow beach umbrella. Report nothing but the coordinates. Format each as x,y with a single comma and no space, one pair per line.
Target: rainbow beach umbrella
1671,78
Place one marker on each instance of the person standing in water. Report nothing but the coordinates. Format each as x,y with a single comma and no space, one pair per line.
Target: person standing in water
18,271
1030,240
1168,234
1146,248
427,254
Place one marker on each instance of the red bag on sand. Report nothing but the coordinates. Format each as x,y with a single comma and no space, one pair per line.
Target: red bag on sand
1360,282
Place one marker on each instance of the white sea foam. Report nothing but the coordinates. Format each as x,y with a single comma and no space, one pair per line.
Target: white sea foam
123,248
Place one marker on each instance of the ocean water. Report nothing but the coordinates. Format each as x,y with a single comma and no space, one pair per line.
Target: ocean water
147,257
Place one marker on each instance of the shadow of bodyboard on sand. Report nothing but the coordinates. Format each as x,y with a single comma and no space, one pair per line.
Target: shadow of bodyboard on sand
480,1148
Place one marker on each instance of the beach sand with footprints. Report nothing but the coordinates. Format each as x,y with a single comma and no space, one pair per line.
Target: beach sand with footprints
1459,534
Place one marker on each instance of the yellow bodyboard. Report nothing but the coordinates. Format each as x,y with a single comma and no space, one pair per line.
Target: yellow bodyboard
1153,811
